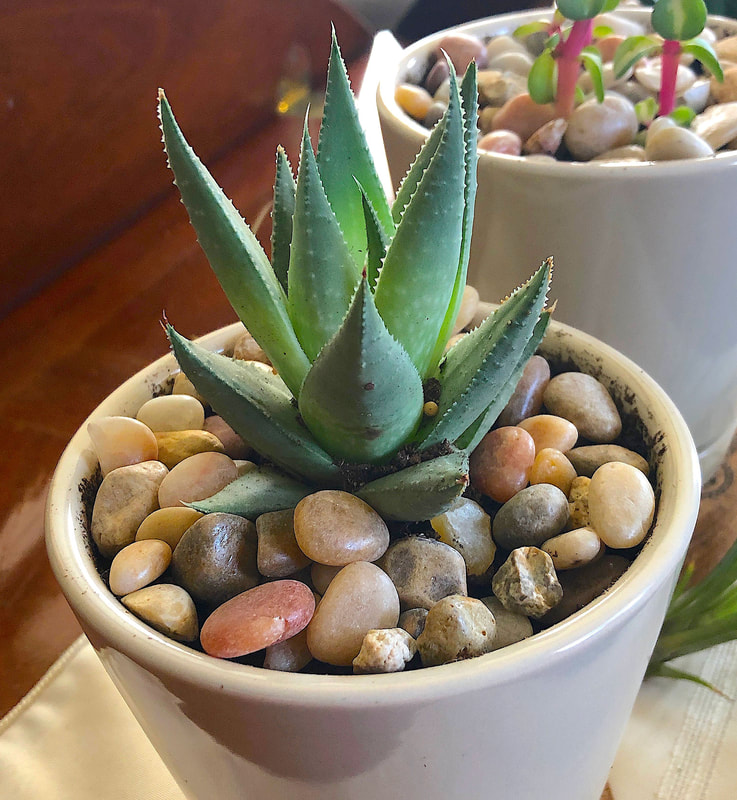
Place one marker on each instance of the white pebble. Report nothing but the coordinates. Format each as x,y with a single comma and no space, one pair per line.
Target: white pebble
173,412
573,548
648,75
621,504
120,441
717,125
385,650
669,144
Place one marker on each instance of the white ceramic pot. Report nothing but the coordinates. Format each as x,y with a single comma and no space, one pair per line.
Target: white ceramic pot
541,718
644,253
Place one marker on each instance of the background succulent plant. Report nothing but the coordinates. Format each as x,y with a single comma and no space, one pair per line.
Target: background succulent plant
354,311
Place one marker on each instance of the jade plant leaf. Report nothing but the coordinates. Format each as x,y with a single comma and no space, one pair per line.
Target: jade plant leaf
417,280
376,241
259,491
322,273
632,50
281,217
421,491
591,59
679,19
541,80
342,154
703,52
235,255
362,398
529,28
478,368
258,406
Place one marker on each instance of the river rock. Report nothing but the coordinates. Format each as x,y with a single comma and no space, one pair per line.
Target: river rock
434,114
573,549
502,141
196,478
499,45
467,311
257,618
126,496
649,72
414,100
518,63
291,655
671,144
167,524
527,398
413,621
321,575
533,515
523,115
216,559
338,528
501,463
175,446
183,385
552,466
496,88
526,583
360,598
510,627
279,554
121,441
233,444
717,125
578,503
384,650
137,565
586,403
167,608
438,73
424,571
172,412
466,527
547,138
589,458
595,127
630,152
456,627
461,50
621,504
548,430
246,348
726,48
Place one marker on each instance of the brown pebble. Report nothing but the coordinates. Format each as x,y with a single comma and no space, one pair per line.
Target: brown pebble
501,463
278,552
527,399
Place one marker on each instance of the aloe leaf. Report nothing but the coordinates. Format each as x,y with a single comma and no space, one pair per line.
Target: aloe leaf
703,52
541,80
632,50
343,154
417,280
478,368
469,102
322,273
235,255
362,399
679,19
259,491
281,217
377,242
421,491
258,406
591,59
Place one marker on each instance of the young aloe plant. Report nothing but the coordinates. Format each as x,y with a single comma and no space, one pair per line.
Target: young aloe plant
355,313
679,23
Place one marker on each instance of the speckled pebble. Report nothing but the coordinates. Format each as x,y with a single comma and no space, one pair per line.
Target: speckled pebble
196,478
533,515
573,549
278,552
649,72
172,412
121,441
384,650
137,565
175,446
588,459
621,504
466,527
526,583
501,463
456,627
167,608
413,621
527,398
586,402
578,503
510,627
548,430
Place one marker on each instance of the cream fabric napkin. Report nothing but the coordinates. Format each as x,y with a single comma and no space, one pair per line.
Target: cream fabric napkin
73,738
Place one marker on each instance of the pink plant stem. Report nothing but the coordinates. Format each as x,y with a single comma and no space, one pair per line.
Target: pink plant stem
569,66
669,67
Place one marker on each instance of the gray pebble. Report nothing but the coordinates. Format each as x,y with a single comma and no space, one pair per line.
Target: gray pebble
510,627
413,621
588,459
533,515
457,627
586,403
526,583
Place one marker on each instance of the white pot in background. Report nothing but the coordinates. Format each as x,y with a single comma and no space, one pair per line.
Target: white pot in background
541,718
645,254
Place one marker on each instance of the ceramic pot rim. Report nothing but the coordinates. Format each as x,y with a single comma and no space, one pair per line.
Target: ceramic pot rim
559,170
111,622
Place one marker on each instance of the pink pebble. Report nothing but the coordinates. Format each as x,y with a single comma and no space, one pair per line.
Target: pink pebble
501,463
507,142
258,618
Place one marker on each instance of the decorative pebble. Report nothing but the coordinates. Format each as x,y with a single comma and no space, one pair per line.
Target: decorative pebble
486,118
619,24
726,48
670,144
126,496
360,598
278,552
586,403
501,141
167,524
137,565
649,72
697,96
552,466
510,627
547,138
462,50
439,73
244,467
291,655
321,575
496,88
442,93
167,608
172,412
414,100
434,115
588,459
501,463
630,152
595,127
260,617
337,528
526,583
502,44
466,527
607,46
183,385
121,441
469,304
550,431
581,586
175,446
578,503
196,478
233,444
527,398
246,348
523,115
424,571
456,627
413,621
384,650
530,517
621,504
573,549
717,125
216,558
517,63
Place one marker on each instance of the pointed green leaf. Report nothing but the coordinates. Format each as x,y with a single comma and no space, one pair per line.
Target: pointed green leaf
281,217
235,255
362,399
417,280
541,79
419,492
258,406
703,52
523,31
484,361
377,241
646,110
343,154
322,273
683,116
632,50
679,19
591,59
259,491
469,102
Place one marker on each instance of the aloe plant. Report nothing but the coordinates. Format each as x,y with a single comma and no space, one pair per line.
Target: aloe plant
354,312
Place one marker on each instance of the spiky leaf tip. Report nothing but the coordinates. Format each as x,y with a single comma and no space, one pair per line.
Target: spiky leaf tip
281,217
